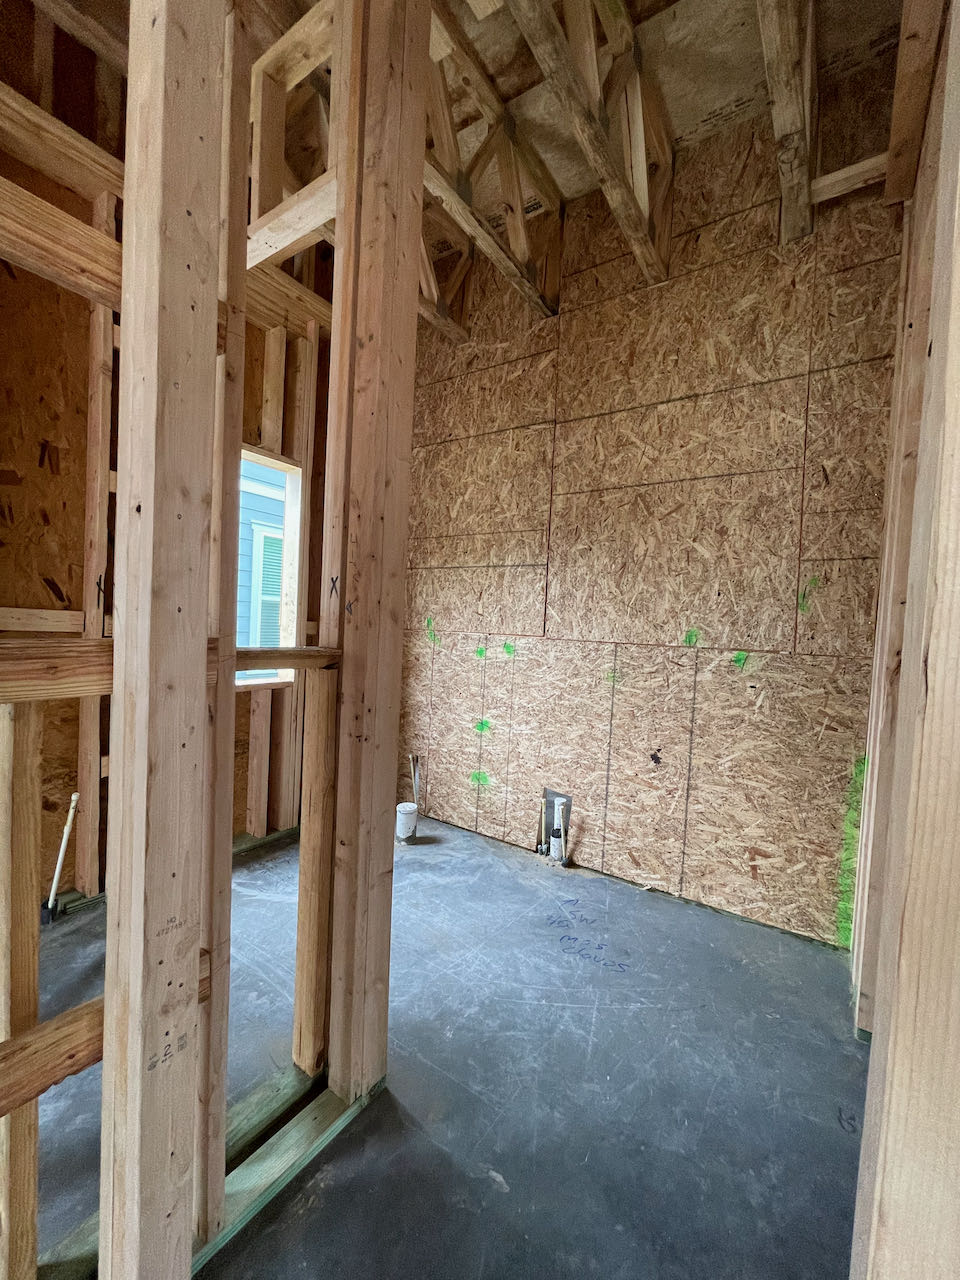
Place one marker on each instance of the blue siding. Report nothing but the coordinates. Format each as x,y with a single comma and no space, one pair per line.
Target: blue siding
255,508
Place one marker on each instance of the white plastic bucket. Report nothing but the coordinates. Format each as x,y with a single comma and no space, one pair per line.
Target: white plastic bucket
406,821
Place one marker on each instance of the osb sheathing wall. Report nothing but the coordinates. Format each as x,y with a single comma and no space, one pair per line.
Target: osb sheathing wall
645,536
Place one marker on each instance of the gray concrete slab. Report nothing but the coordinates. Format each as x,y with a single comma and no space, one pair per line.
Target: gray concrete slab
584,1080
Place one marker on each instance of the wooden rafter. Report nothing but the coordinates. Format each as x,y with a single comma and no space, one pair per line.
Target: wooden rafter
786,30
543,33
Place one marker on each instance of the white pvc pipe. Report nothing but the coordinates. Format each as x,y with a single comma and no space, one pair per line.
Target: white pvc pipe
67,828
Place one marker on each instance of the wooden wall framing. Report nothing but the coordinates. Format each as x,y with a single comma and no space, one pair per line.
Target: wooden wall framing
168,651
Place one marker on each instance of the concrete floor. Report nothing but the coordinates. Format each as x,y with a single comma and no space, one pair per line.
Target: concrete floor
584,1080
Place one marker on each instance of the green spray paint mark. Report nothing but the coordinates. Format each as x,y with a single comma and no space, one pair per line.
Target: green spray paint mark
509,649
482,726
614,677
847,875
691,638
739,659
479,778
803,599
431,634
481,651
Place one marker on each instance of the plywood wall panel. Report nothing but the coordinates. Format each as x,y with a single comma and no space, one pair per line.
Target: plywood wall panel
44,335
516,547
855,314
832,535
455,712
738,233
650,564
486,484
591,235
601,282
497,718
749,429
517,394
840,606
738,322
774,745
507,598
731,170
503,328
710,499
415,711
649,763
856,230
559,738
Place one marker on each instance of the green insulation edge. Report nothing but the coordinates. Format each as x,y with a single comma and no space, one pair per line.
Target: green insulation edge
847,876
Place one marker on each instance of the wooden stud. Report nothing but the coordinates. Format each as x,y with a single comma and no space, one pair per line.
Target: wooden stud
382,60
428,277
271,410
512,191
484,154
659,145
312,980
217,869
906,1221
158,814
921,23
543,33
900,481
258,762
268,113
96,503
790,81
21,729
43,30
